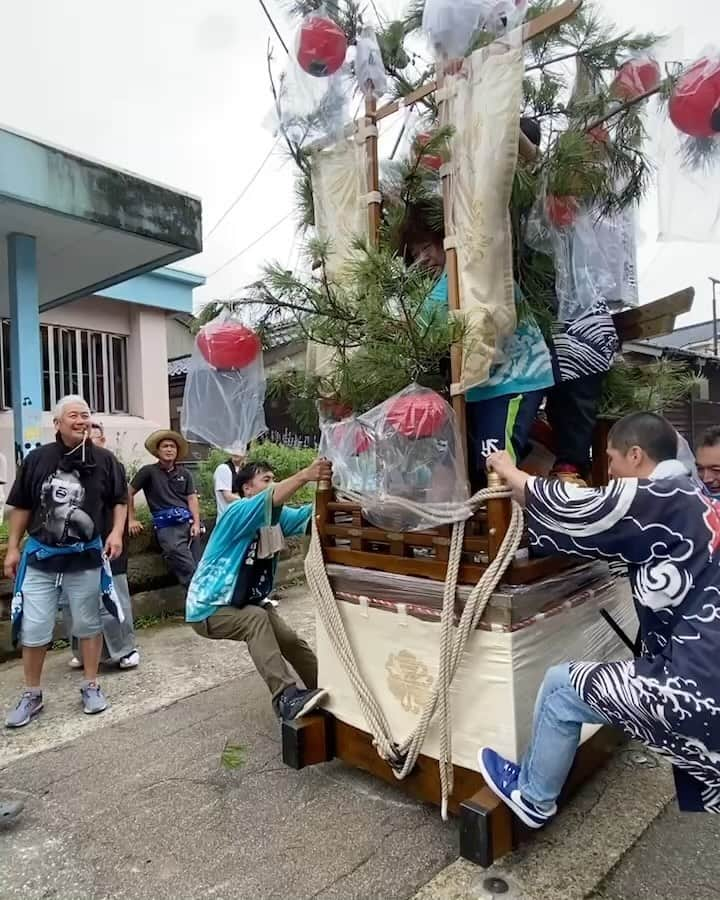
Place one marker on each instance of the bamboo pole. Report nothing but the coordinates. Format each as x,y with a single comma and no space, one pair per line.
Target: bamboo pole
373,170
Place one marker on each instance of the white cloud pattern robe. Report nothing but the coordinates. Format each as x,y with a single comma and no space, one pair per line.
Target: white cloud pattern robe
668,534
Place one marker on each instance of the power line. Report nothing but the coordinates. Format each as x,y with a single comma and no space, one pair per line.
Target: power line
242,192
274,26
251,245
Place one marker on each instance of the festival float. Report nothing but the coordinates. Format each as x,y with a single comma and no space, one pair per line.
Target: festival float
435,622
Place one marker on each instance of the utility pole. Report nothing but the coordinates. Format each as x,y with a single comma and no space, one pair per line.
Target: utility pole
715,282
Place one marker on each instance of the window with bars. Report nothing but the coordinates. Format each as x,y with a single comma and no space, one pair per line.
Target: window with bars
75,361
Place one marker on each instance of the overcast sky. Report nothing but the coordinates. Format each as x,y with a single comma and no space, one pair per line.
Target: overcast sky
177,91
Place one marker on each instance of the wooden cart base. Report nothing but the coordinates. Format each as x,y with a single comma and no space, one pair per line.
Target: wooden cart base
487,829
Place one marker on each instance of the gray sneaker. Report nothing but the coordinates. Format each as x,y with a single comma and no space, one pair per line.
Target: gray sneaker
30,705
93,699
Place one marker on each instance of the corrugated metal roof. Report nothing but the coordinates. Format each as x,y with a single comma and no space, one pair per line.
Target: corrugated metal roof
688,336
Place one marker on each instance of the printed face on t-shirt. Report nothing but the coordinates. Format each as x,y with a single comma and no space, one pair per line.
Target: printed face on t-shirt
64,521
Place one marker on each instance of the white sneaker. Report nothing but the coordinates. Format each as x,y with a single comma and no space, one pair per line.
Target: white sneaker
131,661
75,663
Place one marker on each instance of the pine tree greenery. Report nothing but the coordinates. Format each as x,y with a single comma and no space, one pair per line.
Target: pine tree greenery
374,318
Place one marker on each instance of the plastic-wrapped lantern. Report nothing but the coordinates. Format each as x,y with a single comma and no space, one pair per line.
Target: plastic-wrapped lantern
695,101
430,160
334,410
635,78
417,415
561,211
322,46
350,437
228,346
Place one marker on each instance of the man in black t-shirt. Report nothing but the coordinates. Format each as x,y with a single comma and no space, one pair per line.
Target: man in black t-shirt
64,495
173,501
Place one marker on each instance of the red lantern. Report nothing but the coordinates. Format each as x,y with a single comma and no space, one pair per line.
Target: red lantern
322,46
599,135
420,415
228,345
561,211
350,437
695,101
430,160
334,410
635,78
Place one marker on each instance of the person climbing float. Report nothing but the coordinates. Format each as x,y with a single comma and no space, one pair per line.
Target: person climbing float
658,521
566,368
229,597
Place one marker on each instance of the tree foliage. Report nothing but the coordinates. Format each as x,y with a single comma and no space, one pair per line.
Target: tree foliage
374,318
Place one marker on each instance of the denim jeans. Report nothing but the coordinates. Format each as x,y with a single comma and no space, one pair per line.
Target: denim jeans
559,716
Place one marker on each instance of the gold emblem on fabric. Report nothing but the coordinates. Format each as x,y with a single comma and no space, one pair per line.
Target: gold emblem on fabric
409,681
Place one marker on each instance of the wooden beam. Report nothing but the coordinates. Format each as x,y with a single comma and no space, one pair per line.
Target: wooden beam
653,319
530,30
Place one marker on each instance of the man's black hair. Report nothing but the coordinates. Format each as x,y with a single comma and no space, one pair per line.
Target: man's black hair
652,433
711,438
248,472
531,129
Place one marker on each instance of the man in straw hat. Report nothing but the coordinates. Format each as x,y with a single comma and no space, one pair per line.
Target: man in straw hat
173,501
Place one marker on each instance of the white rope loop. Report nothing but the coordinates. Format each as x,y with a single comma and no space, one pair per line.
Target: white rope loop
403,757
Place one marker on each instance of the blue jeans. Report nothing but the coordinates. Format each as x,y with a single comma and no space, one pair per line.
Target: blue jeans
559,716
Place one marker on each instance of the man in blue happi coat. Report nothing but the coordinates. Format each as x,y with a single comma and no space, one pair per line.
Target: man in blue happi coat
658,521
230,595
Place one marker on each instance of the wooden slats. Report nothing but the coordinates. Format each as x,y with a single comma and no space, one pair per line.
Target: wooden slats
653,319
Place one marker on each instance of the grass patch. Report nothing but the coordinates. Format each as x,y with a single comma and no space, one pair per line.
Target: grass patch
234,756
164,618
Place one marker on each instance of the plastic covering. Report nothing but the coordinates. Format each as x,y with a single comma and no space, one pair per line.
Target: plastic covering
689,156
310,108
369,65
408,447
595,254
313,92
496,684
223,404
636,76
451,25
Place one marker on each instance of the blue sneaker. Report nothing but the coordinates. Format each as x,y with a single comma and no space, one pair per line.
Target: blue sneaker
501,776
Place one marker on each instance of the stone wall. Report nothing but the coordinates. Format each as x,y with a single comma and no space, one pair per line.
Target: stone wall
154,590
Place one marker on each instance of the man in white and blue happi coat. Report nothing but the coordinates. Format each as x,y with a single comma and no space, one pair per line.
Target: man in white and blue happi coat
658,521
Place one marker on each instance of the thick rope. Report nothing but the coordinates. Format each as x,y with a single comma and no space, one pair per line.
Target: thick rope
403,757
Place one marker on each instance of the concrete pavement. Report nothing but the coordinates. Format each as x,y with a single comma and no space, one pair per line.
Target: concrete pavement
179,791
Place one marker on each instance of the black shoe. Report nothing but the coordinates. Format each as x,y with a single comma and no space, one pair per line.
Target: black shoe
295,703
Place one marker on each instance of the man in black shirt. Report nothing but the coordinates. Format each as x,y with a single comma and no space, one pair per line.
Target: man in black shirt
173,502
63,496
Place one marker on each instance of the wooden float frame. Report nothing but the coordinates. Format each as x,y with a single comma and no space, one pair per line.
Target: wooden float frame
488,830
